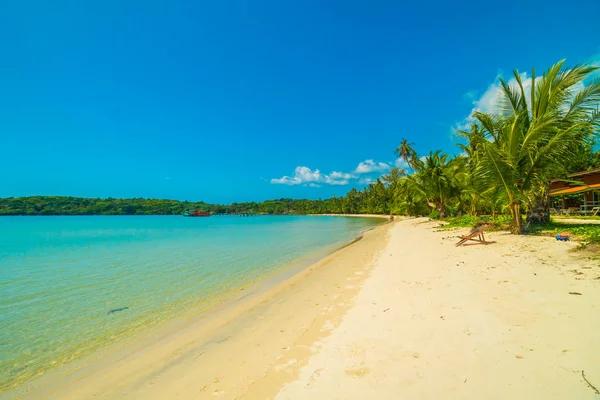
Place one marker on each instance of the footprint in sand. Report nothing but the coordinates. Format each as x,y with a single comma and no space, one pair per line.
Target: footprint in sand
281,367
358,371
313,377
218,392
327,326
326,310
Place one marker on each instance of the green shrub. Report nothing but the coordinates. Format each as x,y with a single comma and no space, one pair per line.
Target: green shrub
434,214
586,232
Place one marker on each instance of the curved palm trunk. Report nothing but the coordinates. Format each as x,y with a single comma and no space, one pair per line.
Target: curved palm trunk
516,226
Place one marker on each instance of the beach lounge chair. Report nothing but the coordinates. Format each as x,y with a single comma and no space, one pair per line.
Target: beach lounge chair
570,211
574,210
553,211
594,211
476,235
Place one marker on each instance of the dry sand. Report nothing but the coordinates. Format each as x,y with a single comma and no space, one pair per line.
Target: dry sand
400,314
434,321
577,220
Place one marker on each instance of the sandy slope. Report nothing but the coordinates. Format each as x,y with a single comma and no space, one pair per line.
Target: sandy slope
434,321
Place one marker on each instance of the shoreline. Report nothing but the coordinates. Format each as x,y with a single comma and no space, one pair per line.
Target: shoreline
64,381
384,216
180,215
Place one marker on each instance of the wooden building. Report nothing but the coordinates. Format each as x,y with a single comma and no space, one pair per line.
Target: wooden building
580,190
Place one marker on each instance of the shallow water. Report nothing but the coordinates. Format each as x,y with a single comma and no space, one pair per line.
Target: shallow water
72,285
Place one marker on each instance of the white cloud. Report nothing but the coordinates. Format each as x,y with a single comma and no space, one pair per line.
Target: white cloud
340,175
313,178
400,163
302,175
338,178
491,100
366,171
368,166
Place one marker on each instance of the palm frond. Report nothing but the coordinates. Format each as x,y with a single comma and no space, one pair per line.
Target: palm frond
510,101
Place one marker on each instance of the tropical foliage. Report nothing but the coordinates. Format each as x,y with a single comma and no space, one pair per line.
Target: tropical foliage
534,137
364,201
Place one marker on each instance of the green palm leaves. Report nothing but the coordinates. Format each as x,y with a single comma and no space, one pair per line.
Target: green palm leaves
534,134
541,127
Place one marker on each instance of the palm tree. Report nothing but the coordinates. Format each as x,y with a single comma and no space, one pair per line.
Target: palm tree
392,177
436,181
406,152
476,199
408,199
535,134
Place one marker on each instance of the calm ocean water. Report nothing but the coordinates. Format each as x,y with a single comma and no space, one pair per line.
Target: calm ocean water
60,277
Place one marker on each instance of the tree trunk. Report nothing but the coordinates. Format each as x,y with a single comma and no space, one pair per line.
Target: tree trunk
442,211
539,209
517,224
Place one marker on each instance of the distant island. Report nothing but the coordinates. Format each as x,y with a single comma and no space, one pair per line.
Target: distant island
64,205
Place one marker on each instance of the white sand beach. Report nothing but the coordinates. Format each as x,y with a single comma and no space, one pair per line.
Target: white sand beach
402,313
437,321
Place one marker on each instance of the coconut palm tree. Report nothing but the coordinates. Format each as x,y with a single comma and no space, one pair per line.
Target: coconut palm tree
393,175
476,199
408,199
535,134
436,180
406,152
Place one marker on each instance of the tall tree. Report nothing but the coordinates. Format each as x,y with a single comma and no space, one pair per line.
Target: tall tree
407,153
436,179
535,134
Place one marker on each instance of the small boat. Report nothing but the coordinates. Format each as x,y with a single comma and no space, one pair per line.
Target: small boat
196,213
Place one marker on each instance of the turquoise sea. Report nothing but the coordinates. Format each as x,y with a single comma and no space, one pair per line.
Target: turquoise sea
70,286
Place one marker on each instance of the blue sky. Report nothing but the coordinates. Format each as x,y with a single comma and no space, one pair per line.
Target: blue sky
238,101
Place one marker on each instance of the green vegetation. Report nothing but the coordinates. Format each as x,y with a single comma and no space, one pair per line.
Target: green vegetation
541,130
589,233
51,205
502,222
535,137
364,202
510,157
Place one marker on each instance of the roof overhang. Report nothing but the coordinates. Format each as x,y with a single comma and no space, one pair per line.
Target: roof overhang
576,189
